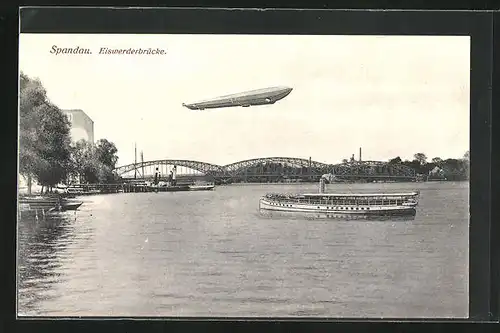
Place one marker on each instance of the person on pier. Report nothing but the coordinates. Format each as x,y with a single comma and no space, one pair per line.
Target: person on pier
170,178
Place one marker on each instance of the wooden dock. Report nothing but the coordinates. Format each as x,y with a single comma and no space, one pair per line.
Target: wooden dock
94,189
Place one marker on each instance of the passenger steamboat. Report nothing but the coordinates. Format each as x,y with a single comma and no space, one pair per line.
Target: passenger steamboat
380,204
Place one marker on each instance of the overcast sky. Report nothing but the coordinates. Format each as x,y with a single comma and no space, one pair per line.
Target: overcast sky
392,95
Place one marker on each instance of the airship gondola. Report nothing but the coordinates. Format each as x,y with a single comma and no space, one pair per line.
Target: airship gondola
244,99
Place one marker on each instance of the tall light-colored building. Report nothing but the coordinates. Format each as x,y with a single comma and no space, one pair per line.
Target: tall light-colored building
82,126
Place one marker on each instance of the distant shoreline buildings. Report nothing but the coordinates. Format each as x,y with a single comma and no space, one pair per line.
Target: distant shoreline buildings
82,126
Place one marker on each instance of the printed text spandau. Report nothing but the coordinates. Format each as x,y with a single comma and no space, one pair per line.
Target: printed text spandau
57,50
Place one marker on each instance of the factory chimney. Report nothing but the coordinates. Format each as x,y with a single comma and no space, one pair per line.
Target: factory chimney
360,154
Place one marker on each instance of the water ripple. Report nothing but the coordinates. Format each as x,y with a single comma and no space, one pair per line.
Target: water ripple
214,254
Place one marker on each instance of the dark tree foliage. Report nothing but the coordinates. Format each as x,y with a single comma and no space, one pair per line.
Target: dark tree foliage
395,160
449,169
45,150
94,163
421,158
44,140
106,153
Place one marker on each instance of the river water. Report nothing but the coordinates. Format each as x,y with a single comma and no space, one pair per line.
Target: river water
212,254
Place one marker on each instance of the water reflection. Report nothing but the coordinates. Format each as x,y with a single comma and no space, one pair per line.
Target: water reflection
268,214
40,245
210,253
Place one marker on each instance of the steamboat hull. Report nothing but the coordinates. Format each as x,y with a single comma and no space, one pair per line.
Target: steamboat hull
201,187
177,188
271,205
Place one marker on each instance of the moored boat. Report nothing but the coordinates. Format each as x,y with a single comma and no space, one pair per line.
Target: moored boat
70,205
201,187
75,190
47,203
168,188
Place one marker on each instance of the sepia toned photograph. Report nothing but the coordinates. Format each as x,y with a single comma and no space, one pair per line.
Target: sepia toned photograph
198,175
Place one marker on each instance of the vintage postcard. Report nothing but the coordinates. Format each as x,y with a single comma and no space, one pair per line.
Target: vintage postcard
243,176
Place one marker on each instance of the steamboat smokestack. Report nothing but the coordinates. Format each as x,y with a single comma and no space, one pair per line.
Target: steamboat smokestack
322,185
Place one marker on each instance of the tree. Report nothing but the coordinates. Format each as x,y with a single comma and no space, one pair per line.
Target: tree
81,159
456,169
466,164
43,135
345,160
396,160
53,146
437,161
421,158
32,95
94,163
106,153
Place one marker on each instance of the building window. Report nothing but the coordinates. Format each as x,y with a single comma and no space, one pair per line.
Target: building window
70,117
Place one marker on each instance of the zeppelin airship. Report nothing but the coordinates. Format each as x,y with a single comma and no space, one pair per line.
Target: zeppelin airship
244,99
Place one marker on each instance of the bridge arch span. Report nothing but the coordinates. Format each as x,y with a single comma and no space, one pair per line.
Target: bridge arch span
203,167
237,167
267,167
374,169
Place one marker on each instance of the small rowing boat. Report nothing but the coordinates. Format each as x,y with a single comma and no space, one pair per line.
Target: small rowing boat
47,203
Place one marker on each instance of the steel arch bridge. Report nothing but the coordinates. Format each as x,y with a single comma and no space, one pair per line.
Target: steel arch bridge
238,167
373,170
277,168
202,167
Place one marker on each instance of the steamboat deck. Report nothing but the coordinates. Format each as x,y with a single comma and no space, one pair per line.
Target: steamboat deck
343,203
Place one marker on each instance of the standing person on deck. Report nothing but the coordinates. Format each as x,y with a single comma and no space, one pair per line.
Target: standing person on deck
170,178
156,177
174,174
156,180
